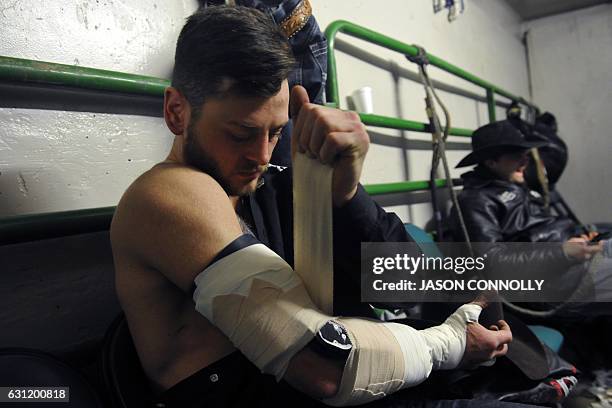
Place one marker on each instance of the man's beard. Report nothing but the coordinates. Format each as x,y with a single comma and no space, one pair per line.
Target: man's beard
195,156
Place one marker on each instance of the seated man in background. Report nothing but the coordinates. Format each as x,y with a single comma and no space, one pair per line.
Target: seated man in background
498,206
203,243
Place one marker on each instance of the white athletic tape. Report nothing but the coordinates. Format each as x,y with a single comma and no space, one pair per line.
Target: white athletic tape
375,366
415,351
447,341
260,304
235,273
379,365
312,229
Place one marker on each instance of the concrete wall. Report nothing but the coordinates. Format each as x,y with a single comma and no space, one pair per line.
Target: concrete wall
60,160
570,58
54,160
59,153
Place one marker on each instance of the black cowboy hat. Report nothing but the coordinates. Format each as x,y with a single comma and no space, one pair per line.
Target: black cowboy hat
490,138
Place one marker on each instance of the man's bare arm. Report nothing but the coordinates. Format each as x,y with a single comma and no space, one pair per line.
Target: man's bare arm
177,223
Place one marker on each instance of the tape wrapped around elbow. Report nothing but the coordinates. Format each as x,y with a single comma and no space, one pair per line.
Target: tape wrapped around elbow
260,304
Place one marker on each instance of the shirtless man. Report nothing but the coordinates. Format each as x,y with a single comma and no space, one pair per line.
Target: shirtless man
227,105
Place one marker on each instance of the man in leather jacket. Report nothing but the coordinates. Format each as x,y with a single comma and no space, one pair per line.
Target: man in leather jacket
498,207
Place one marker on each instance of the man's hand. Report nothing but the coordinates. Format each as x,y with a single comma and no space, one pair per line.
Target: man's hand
578,248
482,344
334,137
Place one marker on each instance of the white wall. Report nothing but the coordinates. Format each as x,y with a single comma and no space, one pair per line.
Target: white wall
53,161
571,62
59,160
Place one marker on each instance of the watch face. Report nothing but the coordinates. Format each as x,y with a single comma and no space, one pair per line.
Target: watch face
334,335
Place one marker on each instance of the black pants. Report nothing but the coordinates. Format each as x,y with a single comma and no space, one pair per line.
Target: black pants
235,382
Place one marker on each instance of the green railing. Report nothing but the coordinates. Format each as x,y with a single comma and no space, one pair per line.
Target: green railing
48,225
333,96
49,73
392,44
403,124
401,187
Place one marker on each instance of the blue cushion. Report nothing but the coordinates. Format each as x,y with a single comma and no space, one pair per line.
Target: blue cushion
551,337
424,241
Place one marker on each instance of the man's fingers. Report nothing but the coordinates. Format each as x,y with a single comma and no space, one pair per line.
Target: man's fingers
504,335
297,99
335,145
503,325
317,137
501,351
593,249
305,133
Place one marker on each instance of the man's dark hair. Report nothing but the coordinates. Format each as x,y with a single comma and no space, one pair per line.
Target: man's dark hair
228,49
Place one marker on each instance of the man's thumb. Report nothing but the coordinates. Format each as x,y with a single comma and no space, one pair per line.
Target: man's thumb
298,98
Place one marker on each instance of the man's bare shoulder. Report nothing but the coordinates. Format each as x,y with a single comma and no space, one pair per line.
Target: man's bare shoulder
174,218
168,184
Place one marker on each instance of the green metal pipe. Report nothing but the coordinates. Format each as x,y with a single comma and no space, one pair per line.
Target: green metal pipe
394,45
401,187
403,124
23,70
23,228
387,65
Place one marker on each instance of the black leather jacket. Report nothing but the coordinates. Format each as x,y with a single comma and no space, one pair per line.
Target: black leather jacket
497,211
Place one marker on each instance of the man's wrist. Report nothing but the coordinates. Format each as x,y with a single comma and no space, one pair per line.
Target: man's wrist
341,201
